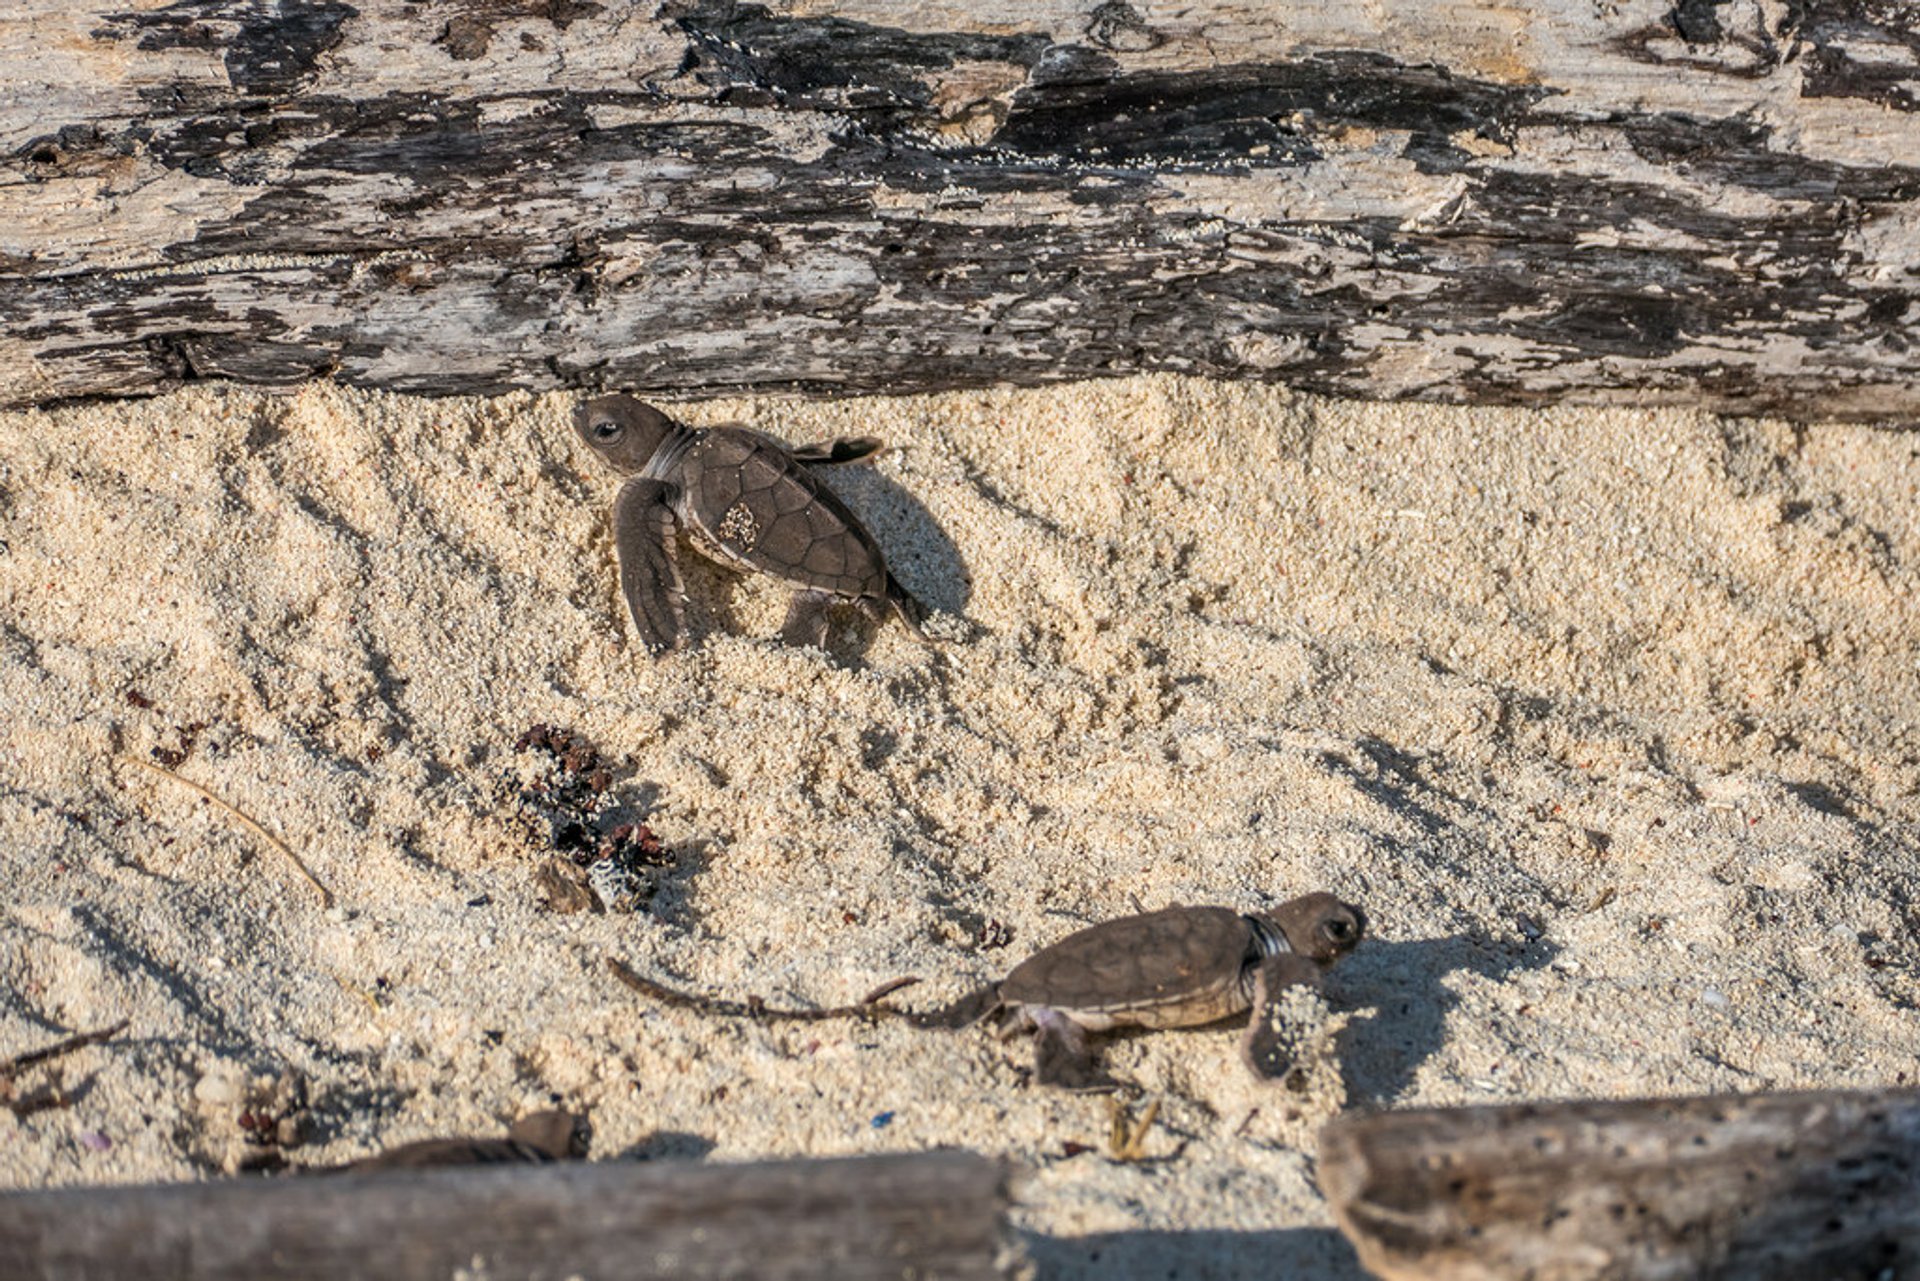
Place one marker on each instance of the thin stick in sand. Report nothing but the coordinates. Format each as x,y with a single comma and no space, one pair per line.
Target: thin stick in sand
326,895
53,1094
45,1054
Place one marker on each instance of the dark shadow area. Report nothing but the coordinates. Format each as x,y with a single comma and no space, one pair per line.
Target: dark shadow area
14,1005
1383,1052
1825,800
1392,777
390,687
50,1095
1320,1253
334,1110
672,900
638,797
998,497
267,427
919,553
669,1145
104,939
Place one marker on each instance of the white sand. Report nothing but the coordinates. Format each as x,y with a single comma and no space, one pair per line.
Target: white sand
1645,684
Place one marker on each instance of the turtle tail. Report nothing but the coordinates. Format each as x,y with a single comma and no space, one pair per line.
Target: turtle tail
867,1007
965,1012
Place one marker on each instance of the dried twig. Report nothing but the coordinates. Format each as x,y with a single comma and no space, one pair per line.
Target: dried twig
326,895
887,989
53,1094
59,1049
347,985
1126,1141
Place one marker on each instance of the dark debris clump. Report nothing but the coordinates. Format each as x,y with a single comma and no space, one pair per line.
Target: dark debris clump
604,860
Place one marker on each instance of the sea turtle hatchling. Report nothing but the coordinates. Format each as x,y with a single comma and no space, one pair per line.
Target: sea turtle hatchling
744,499
543,1137
1178,967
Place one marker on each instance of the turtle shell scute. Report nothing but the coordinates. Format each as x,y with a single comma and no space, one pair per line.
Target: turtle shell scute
736,481
1156,959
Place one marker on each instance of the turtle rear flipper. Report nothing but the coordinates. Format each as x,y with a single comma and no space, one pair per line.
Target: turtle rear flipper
643,528
1063,1057
806,622
907,607
1274,1040
965,1012
832,453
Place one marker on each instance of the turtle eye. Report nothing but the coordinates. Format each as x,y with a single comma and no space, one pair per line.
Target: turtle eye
606,429
1339,929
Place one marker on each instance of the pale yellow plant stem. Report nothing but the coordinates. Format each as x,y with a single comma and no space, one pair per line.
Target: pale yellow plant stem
326,895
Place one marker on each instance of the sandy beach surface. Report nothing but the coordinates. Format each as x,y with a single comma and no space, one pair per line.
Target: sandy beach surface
1606,717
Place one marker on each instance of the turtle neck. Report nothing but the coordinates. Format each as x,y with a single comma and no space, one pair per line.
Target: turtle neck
1268,940
666,456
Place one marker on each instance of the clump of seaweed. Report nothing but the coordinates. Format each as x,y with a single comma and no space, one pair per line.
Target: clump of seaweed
600,863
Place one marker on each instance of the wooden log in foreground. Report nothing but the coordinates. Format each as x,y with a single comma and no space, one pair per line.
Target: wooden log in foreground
935,1215
1822,1185
1710,202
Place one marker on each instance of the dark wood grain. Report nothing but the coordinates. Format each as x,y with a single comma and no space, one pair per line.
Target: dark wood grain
1633,202
933,1215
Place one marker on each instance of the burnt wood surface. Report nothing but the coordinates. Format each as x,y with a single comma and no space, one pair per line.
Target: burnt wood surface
1765,1187
1712,202
933,1215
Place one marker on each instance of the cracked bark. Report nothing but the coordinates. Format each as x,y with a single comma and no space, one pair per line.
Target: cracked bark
1764,1187
1709,203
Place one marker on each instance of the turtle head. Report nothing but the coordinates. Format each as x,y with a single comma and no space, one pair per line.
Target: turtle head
1320,927
622,430
558,1133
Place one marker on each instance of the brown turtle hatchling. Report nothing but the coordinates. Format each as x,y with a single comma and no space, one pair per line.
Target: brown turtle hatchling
1178,967
538,1138
743,499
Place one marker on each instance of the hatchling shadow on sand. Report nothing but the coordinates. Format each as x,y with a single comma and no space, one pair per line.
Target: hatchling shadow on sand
709,607
332,1112
669,1145
921,555
1382,1053
1213,1255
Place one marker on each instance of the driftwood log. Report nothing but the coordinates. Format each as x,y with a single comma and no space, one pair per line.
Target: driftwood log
1713,202
1767,1187
937,1215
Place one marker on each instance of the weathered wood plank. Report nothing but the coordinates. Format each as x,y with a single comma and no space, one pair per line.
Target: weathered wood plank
930,1215
1713,202
1757,1187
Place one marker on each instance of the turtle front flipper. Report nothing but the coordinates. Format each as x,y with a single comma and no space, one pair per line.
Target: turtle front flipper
643,528
1277,1032
1062,1055
847,449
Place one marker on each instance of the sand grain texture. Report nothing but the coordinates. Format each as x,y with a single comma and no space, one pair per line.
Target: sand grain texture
1607,718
